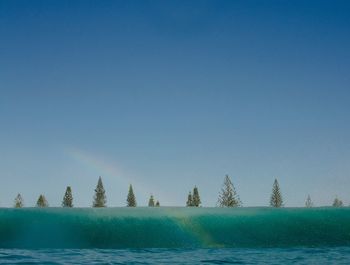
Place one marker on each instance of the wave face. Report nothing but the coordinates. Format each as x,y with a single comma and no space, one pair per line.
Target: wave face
172,227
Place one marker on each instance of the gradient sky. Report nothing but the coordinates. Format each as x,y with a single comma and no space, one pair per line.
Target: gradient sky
171,94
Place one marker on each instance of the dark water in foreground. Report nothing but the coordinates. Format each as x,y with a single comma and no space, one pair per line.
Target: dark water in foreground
338,255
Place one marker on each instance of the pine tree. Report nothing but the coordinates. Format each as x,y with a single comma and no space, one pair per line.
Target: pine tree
157,204
308,202
196,200
228,196
131,200
100,195
151,201
337,202
276,196
189,202
18,201
42,202
68,198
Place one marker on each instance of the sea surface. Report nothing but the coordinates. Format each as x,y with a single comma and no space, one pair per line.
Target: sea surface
175,235
336,255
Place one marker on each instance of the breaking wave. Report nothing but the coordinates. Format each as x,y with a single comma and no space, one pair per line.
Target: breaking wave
173,227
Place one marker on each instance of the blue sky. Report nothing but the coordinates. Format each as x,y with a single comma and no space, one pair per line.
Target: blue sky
171,94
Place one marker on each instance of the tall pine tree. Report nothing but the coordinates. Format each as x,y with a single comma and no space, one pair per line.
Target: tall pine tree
189,202
308,202
228,196
196,200
151,201
42,202
276,196
100,195
18,201
131,199
68,198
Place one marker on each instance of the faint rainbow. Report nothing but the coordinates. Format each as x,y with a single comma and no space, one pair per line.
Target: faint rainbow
93,162
104,168
195,229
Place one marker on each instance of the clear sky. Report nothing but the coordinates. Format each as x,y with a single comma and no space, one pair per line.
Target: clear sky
171,94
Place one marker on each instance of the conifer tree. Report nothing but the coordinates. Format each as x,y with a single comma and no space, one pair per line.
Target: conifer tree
228,196
42,202
308,202
337,202
68,198
131,199
196,200
276,196
151,201
100,195
18,201
157,204
189,202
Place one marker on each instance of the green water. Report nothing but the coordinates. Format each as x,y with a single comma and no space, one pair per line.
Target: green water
168,227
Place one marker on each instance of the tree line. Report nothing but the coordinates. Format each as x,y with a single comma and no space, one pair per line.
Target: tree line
228,197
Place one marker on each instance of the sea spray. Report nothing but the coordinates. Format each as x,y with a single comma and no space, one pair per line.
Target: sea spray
173,227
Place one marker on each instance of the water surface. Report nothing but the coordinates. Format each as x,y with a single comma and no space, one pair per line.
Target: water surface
338,255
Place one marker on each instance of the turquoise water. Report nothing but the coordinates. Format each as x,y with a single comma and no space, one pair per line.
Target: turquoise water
168,227
169,235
